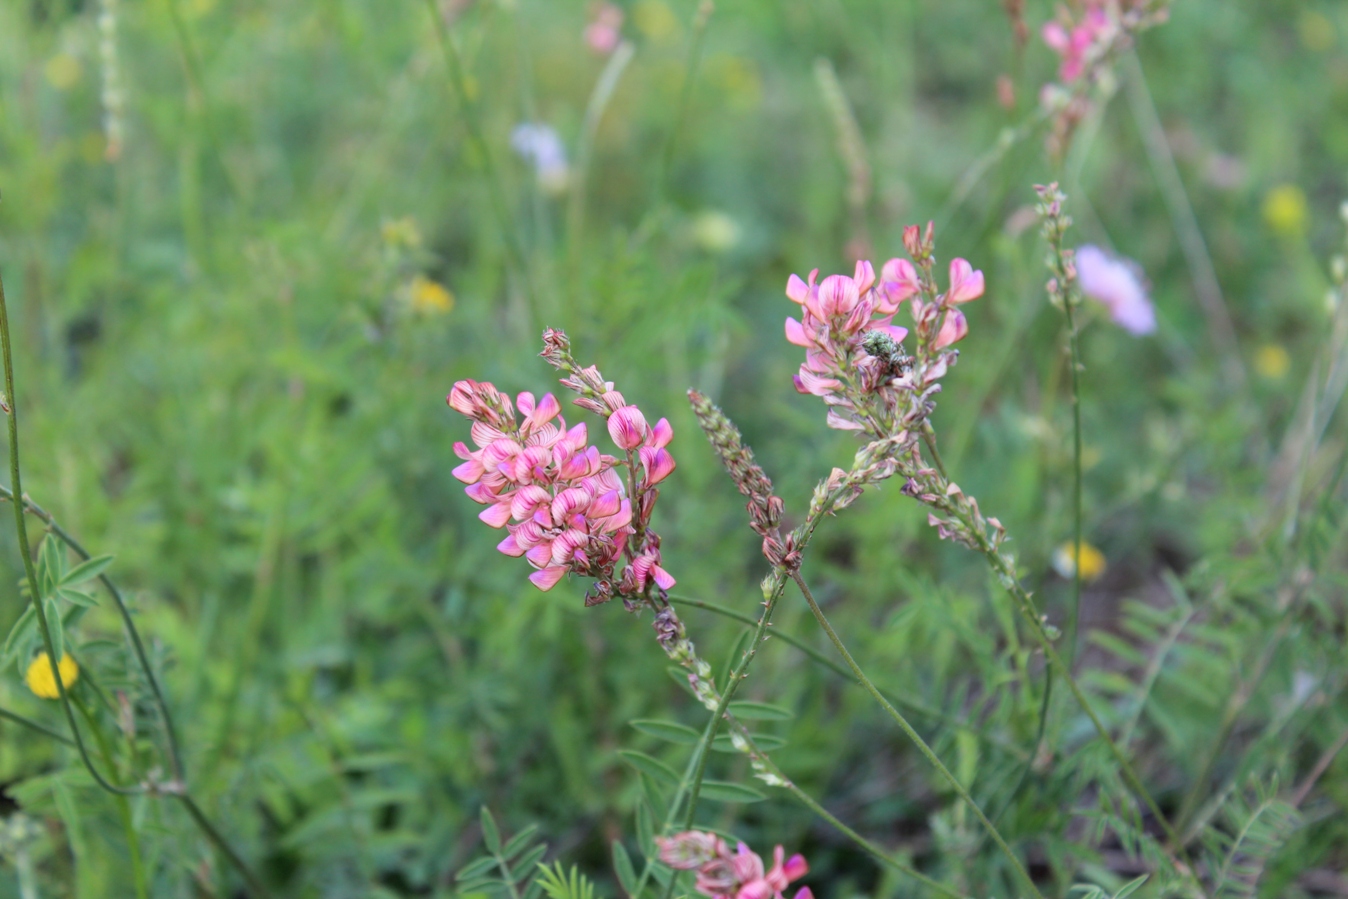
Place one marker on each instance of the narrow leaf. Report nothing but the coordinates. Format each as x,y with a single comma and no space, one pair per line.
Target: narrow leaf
622,866
85,571
760,711
491,834
723,791
667,730
476,868
765,742
519,841
647,765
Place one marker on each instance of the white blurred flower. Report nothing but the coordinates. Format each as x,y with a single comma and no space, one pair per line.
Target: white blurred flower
1118,284
542,146
715,232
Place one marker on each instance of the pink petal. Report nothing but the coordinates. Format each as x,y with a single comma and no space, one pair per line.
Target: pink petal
864,276
838,295
795,867
469,472
510,546
796,290
627,427
953,329
525,402
795,333
662,433
496,515
540,554
663,579
547,578
837,422
965,283
657,462
1055,36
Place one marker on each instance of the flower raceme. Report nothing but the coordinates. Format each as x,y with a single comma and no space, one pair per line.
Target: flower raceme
853,352
563,503
725,875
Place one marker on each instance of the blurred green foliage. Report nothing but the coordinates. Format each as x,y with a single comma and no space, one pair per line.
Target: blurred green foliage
229,384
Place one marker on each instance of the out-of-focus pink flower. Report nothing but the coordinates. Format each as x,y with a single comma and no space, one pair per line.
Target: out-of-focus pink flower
1074,43
1116,283
965,283
604,31
723,875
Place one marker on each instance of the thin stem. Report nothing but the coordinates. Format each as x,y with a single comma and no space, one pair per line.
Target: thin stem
1074,358
33,725
1176,199
222,844
21,529
459,86
838,669
700,20
1321,766
929,441
913,735
594,114
809,802
123,807
175,755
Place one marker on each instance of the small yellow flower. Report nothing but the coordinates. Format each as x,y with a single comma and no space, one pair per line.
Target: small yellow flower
41,682
430,296
1092,561
655,20
62,71
1272,361
1285,210
1317,31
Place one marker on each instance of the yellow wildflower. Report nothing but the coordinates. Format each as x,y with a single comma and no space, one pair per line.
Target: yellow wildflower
1317,31
1285,210
40,680
655,20
401,233
1272,361
430,296
62,71
1092,561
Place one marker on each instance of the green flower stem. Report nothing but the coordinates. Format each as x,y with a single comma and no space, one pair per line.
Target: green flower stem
476,134
833,666
161,705
1025,605
809,802
123,807
222,844
1069,302
21,530
913,735
33,725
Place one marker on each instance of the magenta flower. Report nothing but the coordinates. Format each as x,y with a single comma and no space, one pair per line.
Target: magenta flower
721,875
605,30
1117,284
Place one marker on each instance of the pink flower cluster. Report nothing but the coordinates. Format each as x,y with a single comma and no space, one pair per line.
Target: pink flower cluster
1074,41
723,875
604,31
851,345
559,498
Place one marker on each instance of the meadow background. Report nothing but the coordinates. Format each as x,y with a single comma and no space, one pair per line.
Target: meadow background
234,336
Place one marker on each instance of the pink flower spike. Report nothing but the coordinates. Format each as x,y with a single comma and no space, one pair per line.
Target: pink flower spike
658,463
547,578
953,329
795,333
662,433
796,289
965,283
627,427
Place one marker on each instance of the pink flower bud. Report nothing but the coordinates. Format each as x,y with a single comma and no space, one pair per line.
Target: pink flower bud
912,240
864,276
627,427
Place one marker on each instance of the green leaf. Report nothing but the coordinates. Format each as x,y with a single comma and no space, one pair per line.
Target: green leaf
1131,887
85,571
647,765
491,834
50,565
723,791
519,841
760,711
20,632
76,597
476,868
530,859
645,829
667,730
650,788
622,866
765,742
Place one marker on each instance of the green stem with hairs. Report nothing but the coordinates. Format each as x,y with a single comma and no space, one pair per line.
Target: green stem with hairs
123,807
913,735
7,715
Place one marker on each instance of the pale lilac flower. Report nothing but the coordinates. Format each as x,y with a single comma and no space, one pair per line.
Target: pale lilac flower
541,146
1116,283
722,875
